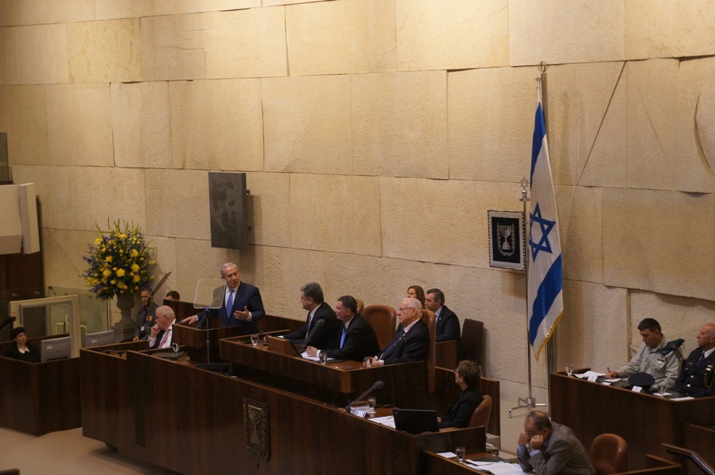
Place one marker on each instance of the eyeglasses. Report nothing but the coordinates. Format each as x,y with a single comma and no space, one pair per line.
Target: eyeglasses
403,309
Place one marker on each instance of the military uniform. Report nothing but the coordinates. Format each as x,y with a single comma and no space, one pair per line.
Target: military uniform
698,377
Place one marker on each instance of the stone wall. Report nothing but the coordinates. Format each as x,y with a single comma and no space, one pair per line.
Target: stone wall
375,135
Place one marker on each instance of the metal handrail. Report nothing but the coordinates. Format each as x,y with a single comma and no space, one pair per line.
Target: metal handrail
695,457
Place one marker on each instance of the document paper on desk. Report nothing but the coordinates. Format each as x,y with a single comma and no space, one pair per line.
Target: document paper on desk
388,421
496,468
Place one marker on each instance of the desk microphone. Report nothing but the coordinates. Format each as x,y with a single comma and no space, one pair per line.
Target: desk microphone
316,325
377,385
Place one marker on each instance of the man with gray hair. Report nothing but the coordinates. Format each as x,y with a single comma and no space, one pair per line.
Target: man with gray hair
242,304
411,340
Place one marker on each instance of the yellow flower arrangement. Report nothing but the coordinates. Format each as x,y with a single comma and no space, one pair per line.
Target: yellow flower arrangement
118,261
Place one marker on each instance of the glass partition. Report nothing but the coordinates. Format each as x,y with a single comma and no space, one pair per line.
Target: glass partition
50,316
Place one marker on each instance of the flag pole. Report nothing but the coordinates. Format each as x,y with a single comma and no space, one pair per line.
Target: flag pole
530,401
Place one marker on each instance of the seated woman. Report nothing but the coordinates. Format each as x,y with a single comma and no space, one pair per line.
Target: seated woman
21,350
467,376
416,292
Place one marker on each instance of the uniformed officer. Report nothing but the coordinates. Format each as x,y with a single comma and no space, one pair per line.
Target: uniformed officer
698,377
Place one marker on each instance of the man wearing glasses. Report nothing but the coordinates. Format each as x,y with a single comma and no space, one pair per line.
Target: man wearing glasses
411,338
548,448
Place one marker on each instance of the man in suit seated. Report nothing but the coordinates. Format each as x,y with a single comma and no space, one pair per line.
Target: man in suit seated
411,340
242,300
548,448
322,335
698,376
447,321
160,335
356,339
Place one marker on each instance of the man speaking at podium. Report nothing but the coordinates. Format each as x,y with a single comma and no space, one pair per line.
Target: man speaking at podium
242,300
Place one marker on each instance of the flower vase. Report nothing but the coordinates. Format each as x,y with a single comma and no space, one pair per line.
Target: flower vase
125,326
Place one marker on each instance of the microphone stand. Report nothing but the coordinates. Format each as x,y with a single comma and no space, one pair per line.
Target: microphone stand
377,385
310,333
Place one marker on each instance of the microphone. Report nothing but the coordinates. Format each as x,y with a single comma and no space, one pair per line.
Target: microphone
671,346
312,331
377,385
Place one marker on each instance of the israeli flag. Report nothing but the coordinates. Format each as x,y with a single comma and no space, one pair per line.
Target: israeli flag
545,275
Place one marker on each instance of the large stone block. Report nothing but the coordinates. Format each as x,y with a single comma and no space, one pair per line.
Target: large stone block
491,123
592,331
177,203
63,251
565,31
173,47
53,189
246,43
659,241
196,259
577,99
269,217
350,36
677,28
107,9
441,221
79,125
335,213
99,194
32,12
695,165
104,51
164,250
34,55
217,124
579,210
307,124
679,317
141,125
452,34
399,124
23,118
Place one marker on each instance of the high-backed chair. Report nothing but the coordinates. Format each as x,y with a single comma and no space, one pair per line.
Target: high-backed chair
383,320
480,416
431,360
609,454
360,306
472,337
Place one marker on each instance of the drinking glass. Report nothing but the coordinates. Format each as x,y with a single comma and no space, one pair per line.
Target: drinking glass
254,340
323,357
569,369
461,452
661,390
367,362
372,401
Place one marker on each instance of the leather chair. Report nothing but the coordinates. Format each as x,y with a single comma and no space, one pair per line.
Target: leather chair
431,360
472,337
383,320
480,416
609,454
360,306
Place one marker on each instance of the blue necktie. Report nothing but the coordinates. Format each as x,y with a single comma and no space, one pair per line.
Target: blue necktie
229,304
342,338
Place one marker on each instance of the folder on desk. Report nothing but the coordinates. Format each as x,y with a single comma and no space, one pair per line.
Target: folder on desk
415,421
283,346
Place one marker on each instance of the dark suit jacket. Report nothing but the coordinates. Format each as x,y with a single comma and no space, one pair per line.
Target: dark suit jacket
563,454
33,356
160,336
145,320
249,296
696,375
324,336
360,341
447,325
461,410
413,347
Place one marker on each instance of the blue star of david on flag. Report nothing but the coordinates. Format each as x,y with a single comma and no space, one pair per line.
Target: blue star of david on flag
545,226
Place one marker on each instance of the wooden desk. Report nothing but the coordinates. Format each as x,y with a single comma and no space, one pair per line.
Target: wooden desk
192,421
333,383
194,340
36,398
645,421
